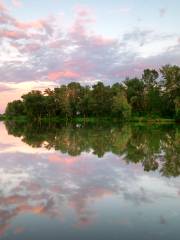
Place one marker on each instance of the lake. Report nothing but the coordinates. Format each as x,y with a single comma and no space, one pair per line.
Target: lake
97,182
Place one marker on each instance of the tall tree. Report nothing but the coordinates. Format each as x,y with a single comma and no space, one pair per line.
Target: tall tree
171,87
120,106
135,95
102,100
150,77
15,108
61,96
35,105
74,96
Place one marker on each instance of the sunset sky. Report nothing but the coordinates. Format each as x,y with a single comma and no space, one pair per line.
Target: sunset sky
44,43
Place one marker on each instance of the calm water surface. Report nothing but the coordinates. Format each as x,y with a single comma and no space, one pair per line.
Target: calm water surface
89,183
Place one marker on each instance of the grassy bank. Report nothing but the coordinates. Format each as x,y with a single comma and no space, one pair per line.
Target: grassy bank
152,120
91,120
2,117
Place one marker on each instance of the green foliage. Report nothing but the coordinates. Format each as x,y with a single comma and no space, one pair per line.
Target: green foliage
135,95
15,108
35,104
171,84
61,96
149,78
120,106
177,108
101,100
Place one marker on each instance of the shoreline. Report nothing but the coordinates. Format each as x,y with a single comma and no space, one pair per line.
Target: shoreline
93,120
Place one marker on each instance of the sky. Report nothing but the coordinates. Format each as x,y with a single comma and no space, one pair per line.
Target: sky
48,43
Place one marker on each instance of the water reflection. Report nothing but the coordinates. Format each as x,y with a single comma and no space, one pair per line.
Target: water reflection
88,182
155,147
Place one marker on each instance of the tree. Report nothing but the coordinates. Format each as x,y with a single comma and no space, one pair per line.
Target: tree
177,108
101,100
35,104
152,99
150,77
120,106
74,96
171,80
50,102
15,108
135,95
171,86
86,102
61,96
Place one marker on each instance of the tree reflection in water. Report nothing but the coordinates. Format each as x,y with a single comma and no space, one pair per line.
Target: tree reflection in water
156,147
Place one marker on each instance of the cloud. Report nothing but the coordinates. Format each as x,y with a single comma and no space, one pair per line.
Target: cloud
75,53
63,74
17,3
2,7
138,36
162,12
83,17
16,35
121,10
124,9
5,17
5,88
28,25
83,11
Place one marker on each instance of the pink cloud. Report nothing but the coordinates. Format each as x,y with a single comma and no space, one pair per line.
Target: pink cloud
27,48
63,160
4,88
2,7
32,47
100,40
3,20
86,63
83,11
27,25
84,16
63,74
17,3
59,43
11,34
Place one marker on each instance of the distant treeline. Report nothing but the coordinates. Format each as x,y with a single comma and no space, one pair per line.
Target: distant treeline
155,94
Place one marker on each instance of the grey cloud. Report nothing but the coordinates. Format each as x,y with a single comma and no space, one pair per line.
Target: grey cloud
162,12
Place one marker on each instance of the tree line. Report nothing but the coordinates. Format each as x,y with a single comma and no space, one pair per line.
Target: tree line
154,94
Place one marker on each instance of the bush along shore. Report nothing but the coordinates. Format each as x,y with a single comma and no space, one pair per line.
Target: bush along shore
155,97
